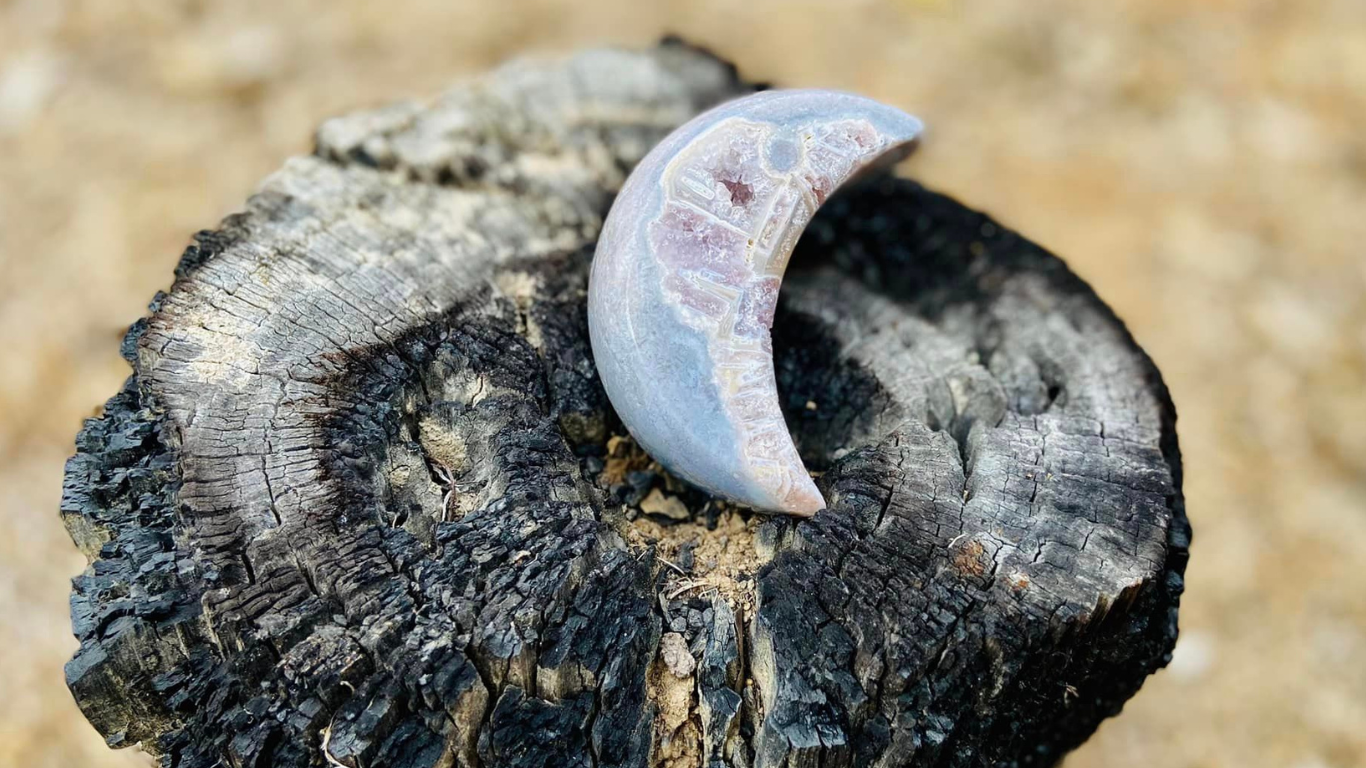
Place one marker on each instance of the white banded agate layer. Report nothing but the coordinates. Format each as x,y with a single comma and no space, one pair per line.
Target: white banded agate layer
686,274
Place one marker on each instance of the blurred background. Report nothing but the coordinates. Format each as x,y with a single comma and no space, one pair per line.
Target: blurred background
1200,162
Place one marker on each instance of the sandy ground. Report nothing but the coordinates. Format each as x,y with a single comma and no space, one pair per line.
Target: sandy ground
1201,162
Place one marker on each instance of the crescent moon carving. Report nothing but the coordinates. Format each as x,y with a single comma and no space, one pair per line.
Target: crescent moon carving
686,274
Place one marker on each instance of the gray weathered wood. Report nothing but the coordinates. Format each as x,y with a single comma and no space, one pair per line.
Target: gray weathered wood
361,502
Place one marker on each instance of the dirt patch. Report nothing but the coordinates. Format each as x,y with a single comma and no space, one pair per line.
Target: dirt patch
724,559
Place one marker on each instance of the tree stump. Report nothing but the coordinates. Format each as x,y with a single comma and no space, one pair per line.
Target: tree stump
363,501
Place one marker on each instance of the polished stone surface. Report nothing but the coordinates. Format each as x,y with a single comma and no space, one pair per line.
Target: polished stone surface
686,277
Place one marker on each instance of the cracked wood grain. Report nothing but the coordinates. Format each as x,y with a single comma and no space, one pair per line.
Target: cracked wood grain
351,507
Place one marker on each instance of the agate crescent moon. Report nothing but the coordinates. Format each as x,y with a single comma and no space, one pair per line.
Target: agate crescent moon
686,275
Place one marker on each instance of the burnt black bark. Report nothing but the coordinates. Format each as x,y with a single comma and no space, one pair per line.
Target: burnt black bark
363,501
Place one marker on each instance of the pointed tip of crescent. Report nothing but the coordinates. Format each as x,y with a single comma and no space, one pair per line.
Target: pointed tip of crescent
802,501
806,502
